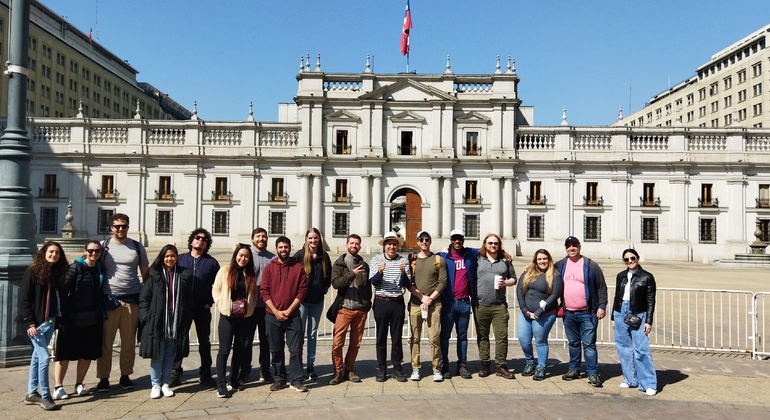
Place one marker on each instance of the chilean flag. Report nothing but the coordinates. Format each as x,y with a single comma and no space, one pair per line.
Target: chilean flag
405,30
90,35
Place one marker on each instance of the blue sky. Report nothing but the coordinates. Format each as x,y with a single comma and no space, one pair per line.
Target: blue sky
591,56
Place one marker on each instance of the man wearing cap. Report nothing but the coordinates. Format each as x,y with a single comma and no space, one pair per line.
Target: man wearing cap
456,301
389,273
585,302
429,280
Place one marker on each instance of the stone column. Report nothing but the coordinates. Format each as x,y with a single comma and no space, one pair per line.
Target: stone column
446,208
679,244
377,221
304,206
509,208
365,222
494,200
317,206
619,224
737,224
435,205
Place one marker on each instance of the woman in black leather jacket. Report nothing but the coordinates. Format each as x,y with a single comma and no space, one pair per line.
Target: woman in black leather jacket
635,295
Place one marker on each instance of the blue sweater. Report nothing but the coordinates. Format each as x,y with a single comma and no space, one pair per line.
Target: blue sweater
204,270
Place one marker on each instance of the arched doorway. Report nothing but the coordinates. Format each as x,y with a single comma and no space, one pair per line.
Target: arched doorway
406,215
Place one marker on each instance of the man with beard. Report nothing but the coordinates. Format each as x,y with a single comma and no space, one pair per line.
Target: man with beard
283,288
389,273
204,269
350,276
261,258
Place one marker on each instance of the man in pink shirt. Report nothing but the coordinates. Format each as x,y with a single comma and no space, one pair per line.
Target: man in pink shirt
585,303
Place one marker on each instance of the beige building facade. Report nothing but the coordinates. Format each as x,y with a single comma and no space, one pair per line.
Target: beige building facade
70,74
730,90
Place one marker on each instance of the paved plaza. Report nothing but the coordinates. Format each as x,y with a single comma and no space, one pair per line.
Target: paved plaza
691,384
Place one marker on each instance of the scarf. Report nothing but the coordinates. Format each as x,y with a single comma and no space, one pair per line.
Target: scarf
171,318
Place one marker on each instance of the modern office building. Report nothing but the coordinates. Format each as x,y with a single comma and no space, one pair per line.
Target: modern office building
366,153
730,90
67,67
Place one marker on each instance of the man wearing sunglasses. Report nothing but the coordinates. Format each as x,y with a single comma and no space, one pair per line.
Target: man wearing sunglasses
123,259
429,281
204,270
585,303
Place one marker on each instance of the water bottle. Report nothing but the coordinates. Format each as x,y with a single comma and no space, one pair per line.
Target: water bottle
44,327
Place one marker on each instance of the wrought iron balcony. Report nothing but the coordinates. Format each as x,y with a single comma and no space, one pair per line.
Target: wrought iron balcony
593,201
108,194
281,196
43,193
472,151
221,196
165,195
476,199
537,201
407,151
713,203
347,198
763,202
342,150
650,201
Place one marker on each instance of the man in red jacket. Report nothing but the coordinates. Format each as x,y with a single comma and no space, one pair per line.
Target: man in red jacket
283,288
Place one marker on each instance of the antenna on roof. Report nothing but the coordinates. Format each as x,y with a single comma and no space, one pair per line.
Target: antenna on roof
97,20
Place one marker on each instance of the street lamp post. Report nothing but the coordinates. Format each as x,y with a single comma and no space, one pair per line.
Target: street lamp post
17,218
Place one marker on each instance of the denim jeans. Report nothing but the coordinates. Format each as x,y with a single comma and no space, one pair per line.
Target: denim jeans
580,328
634,351
539,329
311,317
38,367
458,316
160,368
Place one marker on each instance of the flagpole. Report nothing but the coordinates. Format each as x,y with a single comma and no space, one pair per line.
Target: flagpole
407,62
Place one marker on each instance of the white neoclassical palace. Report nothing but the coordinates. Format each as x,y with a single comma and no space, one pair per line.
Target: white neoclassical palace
366,153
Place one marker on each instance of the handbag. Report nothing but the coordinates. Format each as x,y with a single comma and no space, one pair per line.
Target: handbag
86,319
238,310
334,308
632,320
560,312
110,302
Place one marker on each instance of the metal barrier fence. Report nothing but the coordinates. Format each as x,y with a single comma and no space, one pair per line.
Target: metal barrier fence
686,319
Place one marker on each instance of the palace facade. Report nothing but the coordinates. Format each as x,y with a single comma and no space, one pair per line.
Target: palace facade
366,153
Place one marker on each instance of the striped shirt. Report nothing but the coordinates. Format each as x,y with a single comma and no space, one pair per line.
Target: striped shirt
391,276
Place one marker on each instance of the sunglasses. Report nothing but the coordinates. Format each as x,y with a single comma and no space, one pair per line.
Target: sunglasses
200,238
120,227
493,243
94,251
457,238
423,240
629,259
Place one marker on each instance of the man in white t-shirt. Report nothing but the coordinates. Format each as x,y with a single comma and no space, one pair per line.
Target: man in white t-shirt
585,303
123,259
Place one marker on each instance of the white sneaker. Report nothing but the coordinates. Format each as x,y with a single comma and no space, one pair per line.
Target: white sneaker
624,385
651,392
438,376
60,394
155,392
229,387
81,390
415,375
167,392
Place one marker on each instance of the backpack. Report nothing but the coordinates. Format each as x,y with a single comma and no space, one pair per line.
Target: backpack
436,262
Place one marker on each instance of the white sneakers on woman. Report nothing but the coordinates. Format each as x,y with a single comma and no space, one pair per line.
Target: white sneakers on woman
167,392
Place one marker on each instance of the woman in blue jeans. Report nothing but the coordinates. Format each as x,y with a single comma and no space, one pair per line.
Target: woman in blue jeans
538,292
39,308
635,294
318,270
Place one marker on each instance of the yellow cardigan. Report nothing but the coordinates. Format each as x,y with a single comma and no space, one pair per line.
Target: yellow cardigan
221,294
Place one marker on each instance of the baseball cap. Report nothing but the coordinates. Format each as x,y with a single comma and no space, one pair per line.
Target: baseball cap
457,232
571,239
423,232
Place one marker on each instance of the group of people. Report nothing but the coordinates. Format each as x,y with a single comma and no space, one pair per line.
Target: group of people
280,297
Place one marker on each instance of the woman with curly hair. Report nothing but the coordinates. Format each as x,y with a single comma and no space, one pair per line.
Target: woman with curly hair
538,292
235,293
165,312
318,271
81,337
39,308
